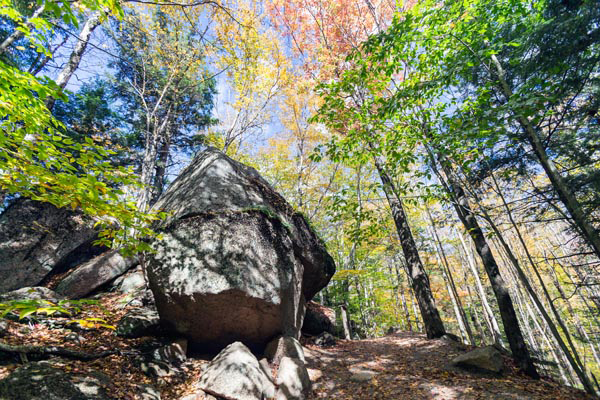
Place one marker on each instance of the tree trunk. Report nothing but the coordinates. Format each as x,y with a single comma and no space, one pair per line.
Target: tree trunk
434,327
488,313
18,34
404,306
573,358
161,169
507,311
564,194
83,39
346,323
463,322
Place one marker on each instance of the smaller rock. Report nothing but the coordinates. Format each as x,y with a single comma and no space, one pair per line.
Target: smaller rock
92,274
130,282
293,380
325,339
33,293
266,367
74,337
487,359
3,328
174,353
147,392
136,303
450,337
138,323
93,385
157,369
236,374
284,346
361,374
314,374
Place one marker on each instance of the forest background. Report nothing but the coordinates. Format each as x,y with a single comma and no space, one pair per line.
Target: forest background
446,152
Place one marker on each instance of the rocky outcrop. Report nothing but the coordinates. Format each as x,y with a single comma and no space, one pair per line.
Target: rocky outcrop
235,262
36,238
94,273
236,374
318,319
42,380
485,359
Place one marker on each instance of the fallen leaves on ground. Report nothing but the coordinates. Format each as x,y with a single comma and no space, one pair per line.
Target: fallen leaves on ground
409,366
406,365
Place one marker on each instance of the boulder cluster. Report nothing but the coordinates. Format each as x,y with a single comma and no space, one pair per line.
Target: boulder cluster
231,274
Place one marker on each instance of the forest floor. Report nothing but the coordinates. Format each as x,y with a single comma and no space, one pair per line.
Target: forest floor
398,366
407,365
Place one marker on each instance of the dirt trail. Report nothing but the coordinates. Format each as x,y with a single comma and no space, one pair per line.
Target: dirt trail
408,366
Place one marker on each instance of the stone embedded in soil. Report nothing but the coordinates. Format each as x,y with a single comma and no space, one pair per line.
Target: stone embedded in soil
361,374
138,322
293,380
236,374
487,359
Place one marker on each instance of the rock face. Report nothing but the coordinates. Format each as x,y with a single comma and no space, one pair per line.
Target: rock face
235,261
486,358
318,319
236,374
92,274
37,237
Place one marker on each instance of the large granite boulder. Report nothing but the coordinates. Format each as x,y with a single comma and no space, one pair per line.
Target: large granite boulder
235,261
36,238
319,319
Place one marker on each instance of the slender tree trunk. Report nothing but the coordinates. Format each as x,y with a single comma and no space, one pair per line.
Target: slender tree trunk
18,34
83,39
415,310
471,304
161,168
573,355
578,324
404,305
434,327
488,313
463,322
346,323
394,290
558,182
154,133
507,311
